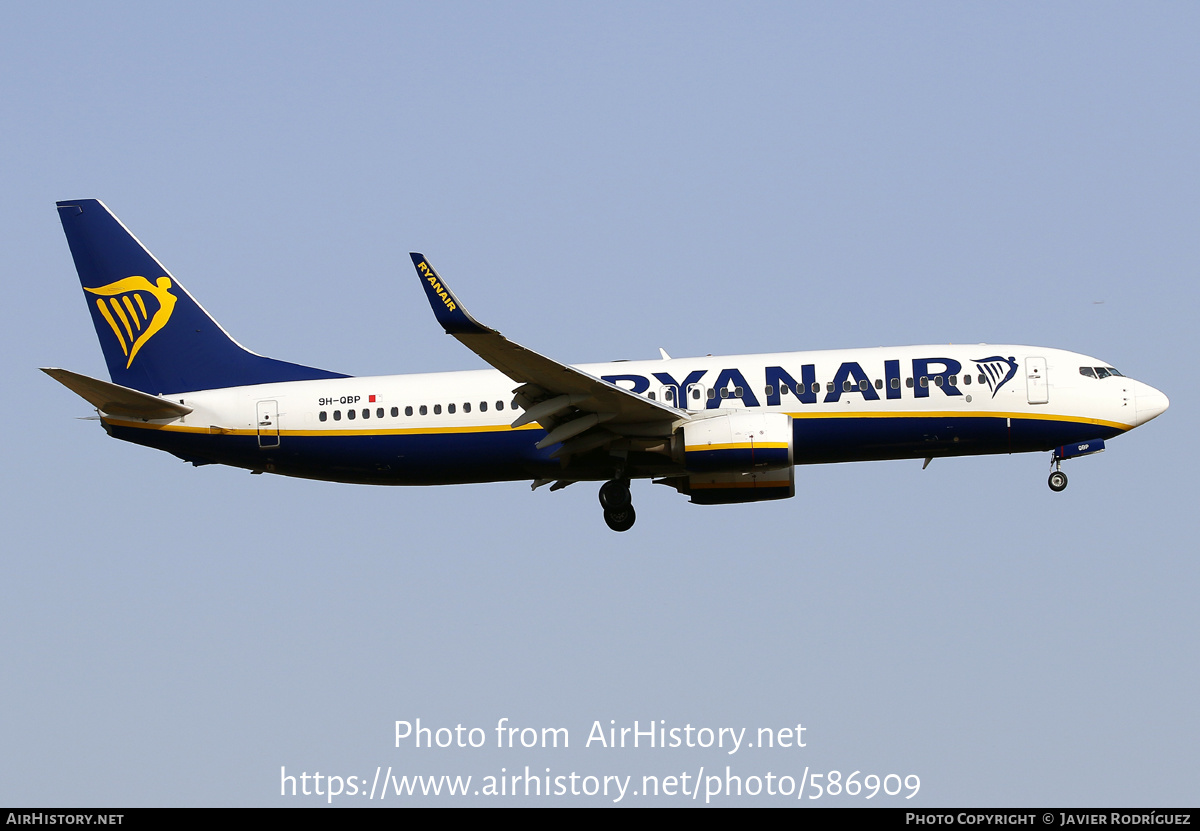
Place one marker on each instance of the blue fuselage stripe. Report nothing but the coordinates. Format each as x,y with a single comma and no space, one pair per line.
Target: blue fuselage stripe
501,455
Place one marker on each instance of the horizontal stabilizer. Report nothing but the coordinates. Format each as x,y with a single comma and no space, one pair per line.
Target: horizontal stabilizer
114,399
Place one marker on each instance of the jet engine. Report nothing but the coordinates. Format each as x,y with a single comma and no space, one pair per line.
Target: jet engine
739,456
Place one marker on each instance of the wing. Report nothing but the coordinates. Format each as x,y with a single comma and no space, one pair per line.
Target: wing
569,403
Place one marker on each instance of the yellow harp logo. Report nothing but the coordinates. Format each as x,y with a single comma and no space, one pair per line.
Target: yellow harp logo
123,305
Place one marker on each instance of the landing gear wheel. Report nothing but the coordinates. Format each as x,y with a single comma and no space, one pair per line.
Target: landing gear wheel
615,495
1058,481
620,519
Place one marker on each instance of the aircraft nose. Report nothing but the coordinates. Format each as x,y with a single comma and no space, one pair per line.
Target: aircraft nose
1149,403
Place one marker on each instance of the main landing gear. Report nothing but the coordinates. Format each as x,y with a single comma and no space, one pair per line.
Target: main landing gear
618,504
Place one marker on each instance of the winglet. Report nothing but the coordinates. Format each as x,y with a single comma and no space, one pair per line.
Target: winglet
544,379
446,308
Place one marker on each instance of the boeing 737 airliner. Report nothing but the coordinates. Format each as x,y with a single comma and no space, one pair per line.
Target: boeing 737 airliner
720,429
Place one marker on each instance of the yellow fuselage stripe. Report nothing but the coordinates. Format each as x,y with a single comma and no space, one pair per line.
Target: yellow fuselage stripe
501,428
239,431
1116,425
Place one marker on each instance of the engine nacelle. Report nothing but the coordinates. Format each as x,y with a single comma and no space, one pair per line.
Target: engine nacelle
741,456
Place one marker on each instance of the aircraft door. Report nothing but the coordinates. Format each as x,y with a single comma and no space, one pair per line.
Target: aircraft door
1035,381
667,396
697,397
268,424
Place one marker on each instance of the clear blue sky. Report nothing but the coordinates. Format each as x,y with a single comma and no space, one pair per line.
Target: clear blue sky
598,181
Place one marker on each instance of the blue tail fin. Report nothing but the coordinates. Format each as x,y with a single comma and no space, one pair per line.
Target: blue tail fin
155,337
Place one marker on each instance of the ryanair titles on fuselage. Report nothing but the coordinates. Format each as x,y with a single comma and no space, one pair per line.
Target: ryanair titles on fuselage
994,372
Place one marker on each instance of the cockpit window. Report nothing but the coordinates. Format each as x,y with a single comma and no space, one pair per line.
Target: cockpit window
1099,372
1112,371
1087,372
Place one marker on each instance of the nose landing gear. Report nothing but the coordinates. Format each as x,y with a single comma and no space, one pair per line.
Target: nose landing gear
1058,479
618,504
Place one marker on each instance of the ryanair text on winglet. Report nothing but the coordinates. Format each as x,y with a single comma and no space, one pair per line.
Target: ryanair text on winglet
437,287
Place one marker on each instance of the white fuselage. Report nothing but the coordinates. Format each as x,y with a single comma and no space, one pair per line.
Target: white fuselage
853,404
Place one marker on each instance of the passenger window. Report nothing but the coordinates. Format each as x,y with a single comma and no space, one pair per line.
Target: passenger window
499,405
651,395
924,381
437,409
712,394
467,407
668,394
725,392
829,386
695,392
350,414
878,383
366,413
424,410
937,380
895,384
737,391
450,409
846,385
982,380
863,384
771,390
513,404
395,412
816,386
408,411
337,415
952,380
967,380
323,416
379,413
908,382
483,406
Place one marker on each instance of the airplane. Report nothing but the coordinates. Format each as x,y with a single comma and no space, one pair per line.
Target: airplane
718,429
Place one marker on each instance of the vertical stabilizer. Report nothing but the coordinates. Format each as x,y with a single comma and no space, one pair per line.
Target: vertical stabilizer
155,337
